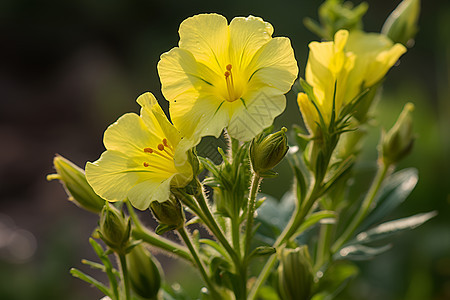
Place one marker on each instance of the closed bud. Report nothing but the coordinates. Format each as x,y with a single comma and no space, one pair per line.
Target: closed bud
144,271
295,277
401,25
398,142
267,152
169,212
77,188
114,229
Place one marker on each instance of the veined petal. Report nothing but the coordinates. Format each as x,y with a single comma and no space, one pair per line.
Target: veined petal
156,120
114,173
375,53
261,107
180,72
144,193
274,65
197,115
247,36
129,134
206,37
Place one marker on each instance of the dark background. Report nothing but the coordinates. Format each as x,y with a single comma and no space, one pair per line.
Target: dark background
70,68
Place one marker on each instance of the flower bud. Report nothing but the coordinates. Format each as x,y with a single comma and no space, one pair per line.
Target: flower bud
398,142
267,152
144,271
295,278
74,181
168,212
114,229
401,25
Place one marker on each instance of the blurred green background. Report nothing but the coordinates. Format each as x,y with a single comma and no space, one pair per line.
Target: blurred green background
70,68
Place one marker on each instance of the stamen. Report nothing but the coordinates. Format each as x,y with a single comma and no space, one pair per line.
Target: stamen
230,83
146,164
160,147
148,150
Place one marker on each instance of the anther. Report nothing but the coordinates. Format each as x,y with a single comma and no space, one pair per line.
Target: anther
160,147
146,164
227,74
229,67
165,143
148,150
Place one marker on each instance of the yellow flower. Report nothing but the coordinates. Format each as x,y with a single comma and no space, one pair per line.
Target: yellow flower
344,68
145,156
222,75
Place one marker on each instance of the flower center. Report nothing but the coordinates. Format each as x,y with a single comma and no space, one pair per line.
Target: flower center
232,95
163,150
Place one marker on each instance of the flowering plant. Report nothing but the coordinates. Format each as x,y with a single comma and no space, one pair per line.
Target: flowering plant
229,81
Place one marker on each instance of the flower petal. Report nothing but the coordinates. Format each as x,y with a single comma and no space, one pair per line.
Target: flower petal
180,72
198,115
144,193
247,36
274,65
156,121
129,134
114,173
261,107
206,37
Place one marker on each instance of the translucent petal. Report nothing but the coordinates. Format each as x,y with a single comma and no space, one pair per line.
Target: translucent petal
274,65
114,173
129,134
247,36
206,37
142,194
262,106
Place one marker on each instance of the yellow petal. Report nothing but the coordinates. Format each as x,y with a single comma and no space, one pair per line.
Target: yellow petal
180,73
262,106
129,134
247,35
144,193
206,37
114,173
156,121
274,65
197,115
309,112
375,53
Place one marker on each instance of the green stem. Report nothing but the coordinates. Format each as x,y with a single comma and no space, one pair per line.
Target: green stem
160,242
187,241
214,227
140,232
235,234
126,279
295,221
256,180
323,245
364,209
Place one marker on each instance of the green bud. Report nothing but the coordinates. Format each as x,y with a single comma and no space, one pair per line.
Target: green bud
144,271
114,229
401,25
398,142
77,188
169,212
267,152
295,277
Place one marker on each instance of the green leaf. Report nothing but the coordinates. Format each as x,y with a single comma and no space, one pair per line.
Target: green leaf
360,252
214,246
163,228
390,228
78,274
301,184
109,269
312,219
397,188
263,250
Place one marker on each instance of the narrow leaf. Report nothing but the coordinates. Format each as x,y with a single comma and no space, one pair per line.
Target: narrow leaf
314,218
78,274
